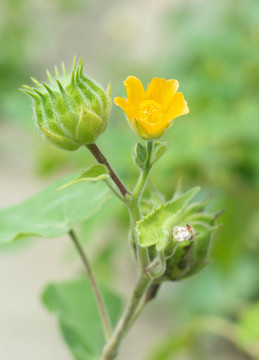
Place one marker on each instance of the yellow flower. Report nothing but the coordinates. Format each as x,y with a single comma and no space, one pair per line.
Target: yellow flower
152,112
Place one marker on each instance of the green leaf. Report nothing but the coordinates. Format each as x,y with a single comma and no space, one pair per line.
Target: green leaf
74,305
51,213
167,227
93,173
161,148
155,226
139,154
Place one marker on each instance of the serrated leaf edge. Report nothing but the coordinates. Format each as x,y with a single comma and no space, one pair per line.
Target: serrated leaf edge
155,209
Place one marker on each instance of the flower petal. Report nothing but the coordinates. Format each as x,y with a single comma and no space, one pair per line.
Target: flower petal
135,90
177,107
152,131
130,111
122,102
162,91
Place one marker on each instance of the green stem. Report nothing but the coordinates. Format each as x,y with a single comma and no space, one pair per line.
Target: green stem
157,267
134,205
110,350
114,191
144,281
96,152
137,193
135,215
149,295
98,296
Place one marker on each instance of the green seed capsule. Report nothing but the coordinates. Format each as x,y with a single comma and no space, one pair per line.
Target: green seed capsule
71,110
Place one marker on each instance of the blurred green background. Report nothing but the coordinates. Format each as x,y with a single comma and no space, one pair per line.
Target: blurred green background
212,48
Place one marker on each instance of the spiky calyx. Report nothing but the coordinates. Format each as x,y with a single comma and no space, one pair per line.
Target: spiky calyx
72,110
193,255
182,231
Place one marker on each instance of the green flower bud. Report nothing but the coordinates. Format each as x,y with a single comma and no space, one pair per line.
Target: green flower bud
72,110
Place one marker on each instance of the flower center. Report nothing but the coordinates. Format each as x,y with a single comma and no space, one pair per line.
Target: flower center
150,112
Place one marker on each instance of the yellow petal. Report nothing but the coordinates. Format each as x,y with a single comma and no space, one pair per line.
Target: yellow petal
135,90
140,130
177,107
121,102
151,131
162,91
130,111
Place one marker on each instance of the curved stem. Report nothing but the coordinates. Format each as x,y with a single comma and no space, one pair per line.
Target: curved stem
157,267
137,193
134,206
144,281
102,160
114,191
149,295
110,350
135,215
98,296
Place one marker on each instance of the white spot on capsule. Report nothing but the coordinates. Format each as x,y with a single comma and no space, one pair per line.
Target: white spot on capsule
181,233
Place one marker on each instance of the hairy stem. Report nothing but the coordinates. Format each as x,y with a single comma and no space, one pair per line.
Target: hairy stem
110,350
138,191
98,296
102,160
135,215
134,206
111,187
149,295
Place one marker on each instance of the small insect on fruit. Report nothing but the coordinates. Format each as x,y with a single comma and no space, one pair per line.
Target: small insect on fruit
181,233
